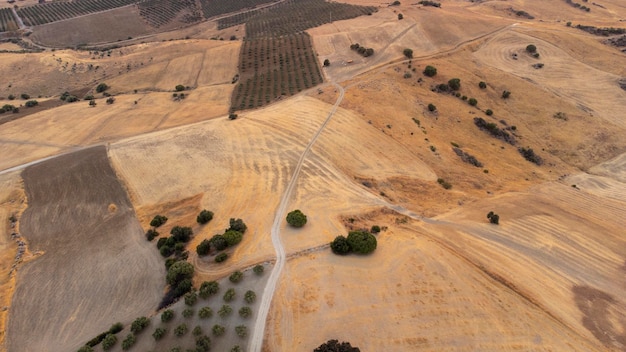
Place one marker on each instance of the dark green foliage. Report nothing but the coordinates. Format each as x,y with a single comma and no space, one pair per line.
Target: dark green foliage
169,262
236,277
395,3
115,328
31,103
109,341
488,112
472,101
89,97
445,184
205,312
187,313
128,342
493,218
335,346
12,97
191,298
258,269
218,330
181,234
225,311
203,344
606,31
494,130
466,157
429,3
161,242
236,348
530,155
7,108
181,330
232,116
24,96
340,245
221,257
167,315
102,87
208,288
432,107
375,229
85,349
296,218
237,225
233,237
400,16
178,272
159,333
203,248
326,63
530,48
197,331
482,85
229,295
245,312
71,99
455,83
241,330
365,52
430,71
250,297
158,220
204,216
166,251
361,242
506,94
139,324
179,88
219,242
151,234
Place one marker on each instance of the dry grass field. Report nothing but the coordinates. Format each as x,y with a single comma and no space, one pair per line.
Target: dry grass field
549,277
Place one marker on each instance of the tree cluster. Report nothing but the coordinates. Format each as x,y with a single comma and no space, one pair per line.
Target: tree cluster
365,52
296,218
232,236
360,242
493,218
335,346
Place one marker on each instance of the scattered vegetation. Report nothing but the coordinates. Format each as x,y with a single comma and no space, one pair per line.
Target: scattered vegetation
466,157
506,94
605,32
296,218
494,130
31,103
454,83
530,155
578,6
488,112
365,52
114,329
560,115
432,107
429,3
430,71
482,85
472,101
326,63
102,87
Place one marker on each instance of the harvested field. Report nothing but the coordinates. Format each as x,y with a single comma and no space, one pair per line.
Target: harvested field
95,261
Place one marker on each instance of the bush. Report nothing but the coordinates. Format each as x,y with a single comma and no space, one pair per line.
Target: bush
24,96
181,234
208,288
92,103
85,349
218,330
482,85
204,217
236,348
326,63
151,234
159,333
128,342
205,312
530,155
179,88
89,97
158,220
340,245
296,218
191,298
102,87
236,277
375,229
221,257
109,341
178,272
203,248
71,99
241,330
432,107
115,328
530,48
203,344
506,94
166,251
233,237
187,313
250,297
181,330
455,83
197,331
224,311
229,295
237,225
400,16
232,116
219,242
245,312
445,184
139,324
472,101
12,97
361,242
167,315
430,71
335,346
493,218
489,112
408,53
31,103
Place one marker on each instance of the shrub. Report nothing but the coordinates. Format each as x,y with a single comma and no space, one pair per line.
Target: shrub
408,53
71,99
205,312
395,3
181,234
472,101
232,116
89,97
224,311
241,330
489,112
375,229
445,184
31,103
236,348
178,272
296,218
432,107
203,248
191,298
455,83
12,97
218,242
245,312
187,313
158,220
85,349
482,85
250,297
204,216
167,315
258,269
197,331
102,87
208,288
530,155
233,237
229,295
179,88
166,251
237,225
109,341
493,218
340,245
430,71
139,324
400,16
466,157
361,242
203,344
530,48
407,75
159,333
218,330
335,346
151,234
181,330
128,342
506,94
221,257
24,96
235,277
326,63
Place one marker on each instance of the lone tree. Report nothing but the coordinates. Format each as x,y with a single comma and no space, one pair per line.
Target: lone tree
326,63
102,87
361,242
180,88
296,218
335,346
430,71
482,85
493,218
400,16
432,107
408,53
530,48
204,217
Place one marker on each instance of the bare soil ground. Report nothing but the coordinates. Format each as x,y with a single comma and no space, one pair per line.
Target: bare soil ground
81,219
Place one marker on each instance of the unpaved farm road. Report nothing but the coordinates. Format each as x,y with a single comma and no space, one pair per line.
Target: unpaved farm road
256,342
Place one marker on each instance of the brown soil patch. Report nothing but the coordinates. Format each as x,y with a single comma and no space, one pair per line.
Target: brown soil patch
95,263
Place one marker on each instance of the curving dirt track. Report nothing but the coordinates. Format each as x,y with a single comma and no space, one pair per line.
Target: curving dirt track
96,268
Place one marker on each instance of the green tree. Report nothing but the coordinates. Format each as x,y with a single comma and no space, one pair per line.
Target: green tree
340,245
85,349
506,94
335,346
482,85
225,311
151,234
204,217
250,297
375,229
400,16
430,71
181,330
218,330
235,277
296,218
204,247
432,107
530,48
242,331
179,88
187,313
245,312
219,242
205,312
102,87
233,237
258,269
178,272
229,295
115,328
167,315
31,103
237,225
159,333
197,331
181,234
472,101
326,63
203,344
493,218
455,83
158,220
191,298
128,342
208,288
489,112
408,53
361,242
109,341
139,324
221,257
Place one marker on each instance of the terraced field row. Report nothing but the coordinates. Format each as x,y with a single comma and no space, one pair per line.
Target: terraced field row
211,8
7,21
57,11
161,12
